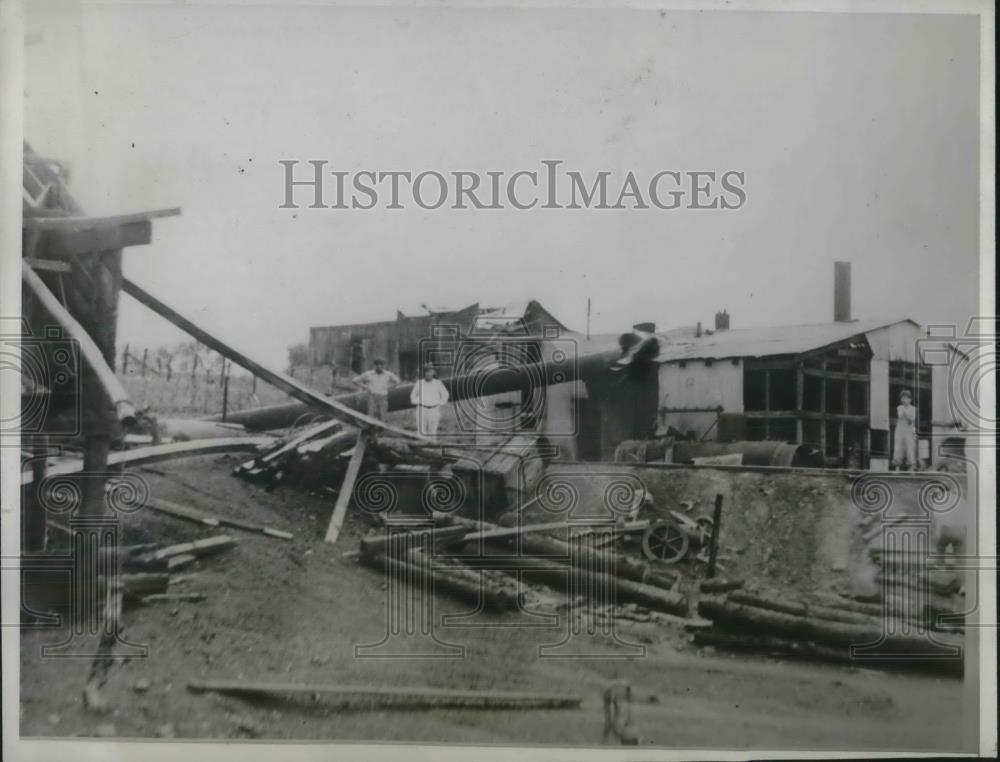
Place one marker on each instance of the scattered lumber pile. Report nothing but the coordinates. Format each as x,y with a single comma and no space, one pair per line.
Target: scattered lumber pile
146,572
319,455
827,627
482,562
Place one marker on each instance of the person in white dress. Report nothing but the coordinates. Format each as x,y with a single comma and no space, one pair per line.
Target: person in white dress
904,445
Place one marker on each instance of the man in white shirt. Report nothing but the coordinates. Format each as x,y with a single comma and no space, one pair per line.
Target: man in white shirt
428,396
377,383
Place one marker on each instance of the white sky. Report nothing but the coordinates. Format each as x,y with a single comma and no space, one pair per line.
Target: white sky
858,135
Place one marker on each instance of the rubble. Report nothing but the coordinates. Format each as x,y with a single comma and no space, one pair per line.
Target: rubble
841,632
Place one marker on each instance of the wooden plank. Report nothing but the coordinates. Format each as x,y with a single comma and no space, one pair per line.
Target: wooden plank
313,432
198,548
180,511
78,223
285,383
50,265
75,243
346,489
88,348
398,696
143,455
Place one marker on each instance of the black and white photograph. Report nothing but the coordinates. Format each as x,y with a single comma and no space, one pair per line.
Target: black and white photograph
481,380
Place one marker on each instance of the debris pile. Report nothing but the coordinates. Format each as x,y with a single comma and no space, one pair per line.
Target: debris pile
829,627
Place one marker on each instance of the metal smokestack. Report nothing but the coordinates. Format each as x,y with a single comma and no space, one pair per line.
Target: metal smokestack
842,292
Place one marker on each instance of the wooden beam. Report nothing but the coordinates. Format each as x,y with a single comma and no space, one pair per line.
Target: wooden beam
286,384
398,696
807,414
78,223
836,374
347,489
143,455
208,546
183,512
50,265
88,348
69,244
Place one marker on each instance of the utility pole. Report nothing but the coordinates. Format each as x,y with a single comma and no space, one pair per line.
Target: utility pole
588,318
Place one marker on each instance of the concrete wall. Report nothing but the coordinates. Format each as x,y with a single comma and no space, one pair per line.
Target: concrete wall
794,528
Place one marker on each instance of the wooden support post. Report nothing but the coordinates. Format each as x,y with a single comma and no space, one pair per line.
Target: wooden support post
713,550
145,356
125,361
347,488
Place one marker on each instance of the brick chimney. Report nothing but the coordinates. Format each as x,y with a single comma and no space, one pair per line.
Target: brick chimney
722,321
842,292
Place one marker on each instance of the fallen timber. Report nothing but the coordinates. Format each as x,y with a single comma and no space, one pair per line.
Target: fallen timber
549,566
141,456
182,512
88,348
464,583
291,387
544,546
942,652
398,697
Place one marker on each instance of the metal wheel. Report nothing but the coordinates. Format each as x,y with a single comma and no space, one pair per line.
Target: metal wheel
665,541
705,528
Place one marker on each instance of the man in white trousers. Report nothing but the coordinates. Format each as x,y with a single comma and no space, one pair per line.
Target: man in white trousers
428,396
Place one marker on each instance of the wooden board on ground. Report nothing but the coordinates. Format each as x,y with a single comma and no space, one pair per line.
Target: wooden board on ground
347,489
412,698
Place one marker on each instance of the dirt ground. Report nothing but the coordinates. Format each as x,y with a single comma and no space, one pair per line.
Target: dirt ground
292,611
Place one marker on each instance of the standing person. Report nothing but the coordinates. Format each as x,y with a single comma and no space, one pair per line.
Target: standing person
904,445
377,383
428,396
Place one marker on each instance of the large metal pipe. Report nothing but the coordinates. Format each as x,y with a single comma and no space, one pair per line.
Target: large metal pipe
467,386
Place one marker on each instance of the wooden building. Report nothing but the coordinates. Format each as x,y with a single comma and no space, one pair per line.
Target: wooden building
406,342
834,386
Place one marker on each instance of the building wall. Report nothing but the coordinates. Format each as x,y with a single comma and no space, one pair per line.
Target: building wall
699,385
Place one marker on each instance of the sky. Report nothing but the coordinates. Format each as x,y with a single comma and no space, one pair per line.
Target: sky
857,133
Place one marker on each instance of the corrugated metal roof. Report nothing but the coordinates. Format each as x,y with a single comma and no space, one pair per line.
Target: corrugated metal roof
762,342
